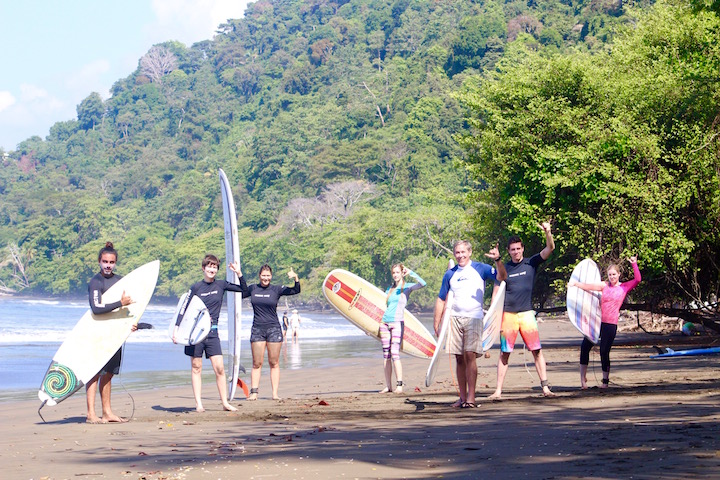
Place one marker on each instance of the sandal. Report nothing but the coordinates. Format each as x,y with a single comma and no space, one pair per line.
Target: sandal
468,405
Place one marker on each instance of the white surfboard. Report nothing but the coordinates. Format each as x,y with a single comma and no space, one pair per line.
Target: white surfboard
195,325
493,319
234,299
441,341
584,307
95,338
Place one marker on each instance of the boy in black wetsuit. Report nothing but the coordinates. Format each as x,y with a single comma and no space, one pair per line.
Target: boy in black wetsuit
211,291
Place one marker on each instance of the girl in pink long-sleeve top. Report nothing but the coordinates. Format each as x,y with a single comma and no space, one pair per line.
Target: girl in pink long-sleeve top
613,295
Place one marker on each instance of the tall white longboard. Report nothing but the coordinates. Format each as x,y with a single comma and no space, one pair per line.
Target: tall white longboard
95,338
441,341
493,319
196,322
584,307
234,299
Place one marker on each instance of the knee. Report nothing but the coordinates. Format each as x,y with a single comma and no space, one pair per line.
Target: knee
257,364
273,363
196,369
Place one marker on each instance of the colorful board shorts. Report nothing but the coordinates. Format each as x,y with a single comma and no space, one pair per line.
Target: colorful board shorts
525,324
465,335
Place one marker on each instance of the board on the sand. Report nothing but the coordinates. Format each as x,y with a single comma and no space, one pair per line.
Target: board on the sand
234,299
95,338
688,353
441,341
195,325
493,319
584,307
363,304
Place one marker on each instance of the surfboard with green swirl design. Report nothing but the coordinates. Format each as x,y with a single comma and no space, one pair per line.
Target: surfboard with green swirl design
95,338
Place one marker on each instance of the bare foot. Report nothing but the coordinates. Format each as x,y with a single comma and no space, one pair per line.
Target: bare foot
398,390
604,385
458,403
277,399
94,420
199,409
384,390
495,396
547,392
114,419
252,397
229,408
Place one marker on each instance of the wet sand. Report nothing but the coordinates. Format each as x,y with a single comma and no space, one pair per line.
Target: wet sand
659,419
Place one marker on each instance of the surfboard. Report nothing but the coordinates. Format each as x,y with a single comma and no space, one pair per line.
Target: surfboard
493,319
441,341
234,299
688,353
363,304
195,325
95,338
584,307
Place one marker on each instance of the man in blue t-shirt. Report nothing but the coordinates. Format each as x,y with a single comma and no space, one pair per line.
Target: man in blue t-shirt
466,280
518,314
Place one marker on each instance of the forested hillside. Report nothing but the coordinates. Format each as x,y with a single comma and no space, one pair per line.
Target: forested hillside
355,134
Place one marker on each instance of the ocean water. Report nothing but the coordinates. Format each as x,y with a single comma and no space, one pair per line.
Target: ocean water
31,331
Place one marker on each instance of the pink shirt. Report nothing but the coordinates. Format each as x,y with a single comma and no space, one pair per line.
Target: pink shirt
613,297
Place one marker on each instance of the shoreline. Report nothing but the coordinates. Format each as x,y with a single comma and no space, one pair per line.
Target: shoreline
658,420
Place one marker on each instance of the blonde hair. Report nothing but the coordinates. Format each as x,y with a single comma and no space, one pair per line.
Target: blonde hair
395,285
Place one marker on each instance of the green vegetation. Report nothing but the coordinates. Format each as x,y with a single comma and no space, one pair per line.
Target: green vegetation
361,133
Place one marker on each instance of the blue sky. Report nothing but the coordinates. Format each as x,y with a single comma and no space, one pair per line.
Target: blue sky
54,54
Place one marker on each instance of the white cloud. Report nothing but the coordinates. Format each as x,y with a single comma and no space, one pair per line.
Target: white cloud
191,21
89,78
6,100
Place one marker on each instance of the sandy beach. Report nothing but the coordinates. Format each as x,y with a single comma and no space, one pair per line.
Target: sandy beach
658,419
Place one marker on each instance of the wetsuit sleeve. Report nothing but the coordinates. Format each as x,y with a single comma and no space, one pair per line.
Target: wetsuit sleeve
95,294
415,286
637,278
244,289
183,308
238,287
294,290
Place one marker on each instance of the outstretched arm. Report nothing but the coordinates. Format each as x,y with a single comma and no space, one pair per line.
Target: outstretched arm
588,287
549,241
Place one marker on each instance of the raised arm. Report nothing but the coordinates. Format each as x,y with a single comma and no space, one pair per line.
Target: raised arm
637,278
549,241
494,254
415,286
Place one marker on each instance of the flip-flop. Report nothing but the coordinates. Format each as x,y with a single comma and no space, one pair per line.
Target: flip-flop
468,405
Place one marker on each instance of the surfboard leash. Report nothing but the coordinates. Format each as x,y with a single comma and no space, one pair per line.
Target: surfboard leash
40,414
132,400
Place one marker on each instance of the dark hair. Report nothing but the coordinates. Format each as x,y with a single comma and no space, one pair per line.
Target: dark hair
210,258
265,267
514,239
108,248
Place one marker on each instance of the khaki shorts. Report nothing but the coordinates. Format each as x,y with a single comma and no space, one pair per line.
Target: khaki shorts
465,335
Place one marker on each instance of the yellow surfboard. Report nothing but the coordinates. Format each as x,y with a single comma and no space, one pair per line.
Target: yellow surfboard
363,304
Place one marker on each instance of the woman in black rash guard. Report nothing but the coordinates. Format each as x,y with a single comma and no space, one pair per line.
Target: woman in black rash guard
266,330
